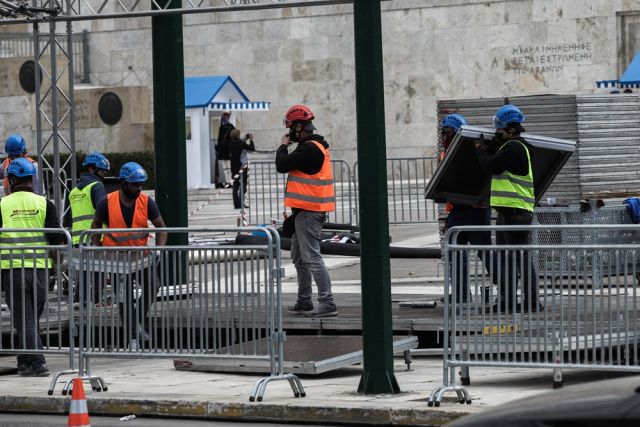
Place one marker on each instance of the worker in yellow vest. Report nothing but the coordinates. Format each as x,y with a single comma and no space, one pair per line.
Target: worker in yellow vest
310,195
83,200
25,272
508,159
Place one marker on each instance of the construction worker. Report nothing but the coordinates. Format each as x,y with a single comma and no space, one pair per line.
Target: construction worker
83,201
310,195
129,207
24,273
464,215
507,158
15,147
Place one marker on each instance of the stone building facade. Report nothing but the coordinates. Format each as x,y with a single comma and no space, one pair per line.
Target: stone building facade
433,49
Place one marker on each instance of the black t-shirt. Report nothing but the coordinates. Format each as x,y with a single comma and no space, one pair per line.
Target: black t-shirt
102,212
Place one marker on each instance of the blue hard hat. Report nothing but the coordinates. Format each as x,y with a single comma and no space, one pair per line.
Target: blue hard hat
455,121
132,172
506,115
98,160
15,145
21,167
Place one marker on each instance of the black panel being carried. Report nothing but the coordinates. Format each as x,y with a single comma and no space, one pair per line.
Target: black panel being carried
459,178
27,76
110,108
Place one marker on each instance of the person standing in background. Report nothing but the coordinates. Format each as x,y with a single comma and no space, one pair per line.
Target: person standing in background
238,149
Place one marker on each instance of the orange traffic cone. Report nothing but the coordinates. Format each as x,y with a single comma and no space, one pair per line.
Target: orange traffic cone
78,413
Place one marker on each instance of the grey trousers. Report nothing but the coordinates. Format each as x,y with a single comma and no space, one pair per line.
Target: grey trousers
305,252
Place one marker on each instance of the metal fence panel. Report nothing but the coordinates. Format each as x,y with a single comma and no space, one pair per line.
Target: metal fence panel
570,317
405,190
266,187
204,301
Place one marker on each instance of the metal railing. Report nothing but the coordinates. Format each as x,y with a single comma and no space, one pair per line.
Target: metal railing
209,301
504,310
265,192
37,311
405,190
15,45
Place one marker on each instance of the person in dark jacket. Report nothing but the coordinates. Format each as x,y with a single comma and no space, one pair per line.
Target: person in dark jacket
310,195
238,149
460,215
508,158
224,133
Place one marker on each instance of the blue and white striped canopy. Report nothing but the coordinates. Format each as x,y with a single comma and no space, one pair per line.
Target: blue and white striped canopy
240,106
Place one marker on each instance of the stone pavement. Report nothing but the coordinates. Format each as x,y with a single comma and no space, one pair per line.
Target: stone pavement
152,387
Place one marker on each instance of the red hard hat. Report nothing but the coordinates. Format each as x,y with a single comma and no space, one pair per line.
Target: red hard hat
297,112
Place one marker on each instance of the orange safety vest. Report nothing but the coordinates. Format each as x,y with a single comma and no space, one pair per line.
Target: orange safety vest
312,192
5,165
116,220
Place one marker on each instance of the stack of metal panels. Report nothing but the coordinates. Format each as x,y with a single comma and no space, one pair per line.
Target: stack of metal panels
549,115
608,151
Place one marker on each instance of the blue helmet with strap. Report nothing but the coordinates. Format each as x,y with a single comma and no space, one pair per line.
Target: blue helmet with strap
98,160
506,115
454,121
133,173
21,168
15,145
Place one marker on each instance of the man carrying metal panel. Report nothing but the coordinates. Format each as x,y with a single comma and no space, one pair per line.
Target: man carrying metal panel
310,194
459,215
24,272
507,158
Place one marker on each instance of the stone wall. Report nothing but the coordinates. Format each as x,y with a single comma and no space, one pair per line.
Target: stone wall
433,49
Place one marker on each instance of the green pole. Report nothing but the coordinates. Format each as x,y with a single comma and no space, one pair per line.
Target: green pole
169,121
377,333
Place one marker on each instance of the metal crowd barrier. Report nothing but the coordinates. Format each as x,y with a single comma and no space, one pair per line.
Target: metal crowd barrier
582,321
572,215
405,190
206,301
36,303
265,192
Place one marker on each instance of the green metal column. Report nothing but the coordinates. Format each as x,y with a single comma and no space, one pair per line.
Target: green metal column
169,121
378,376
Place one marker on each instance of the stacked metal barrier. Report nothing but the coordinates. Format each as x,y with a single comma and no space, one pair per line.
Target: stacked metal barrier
585,321
19,303
572,215
205,301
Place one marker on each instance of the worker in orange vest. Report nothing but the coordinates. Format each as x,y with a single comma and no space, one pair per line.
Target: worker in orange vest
310,195
129,207
15,147
460,215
